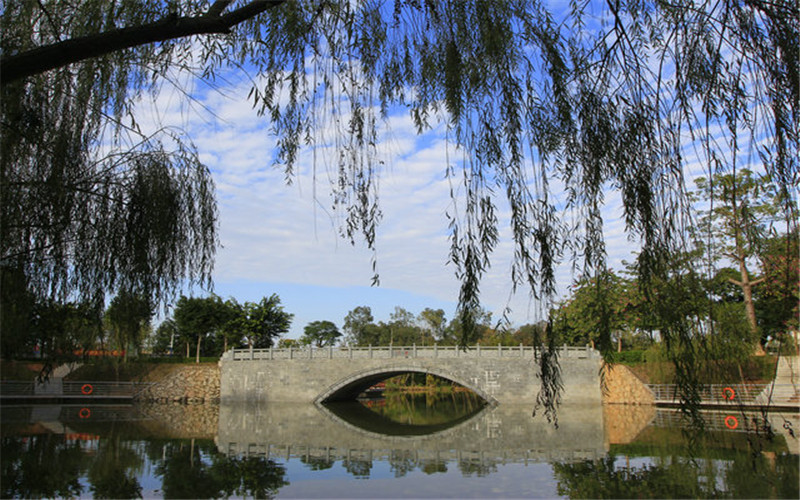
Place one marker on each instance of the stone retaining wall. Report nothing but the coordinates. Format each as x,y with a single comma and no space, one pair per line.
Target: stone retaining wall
623,387
193,384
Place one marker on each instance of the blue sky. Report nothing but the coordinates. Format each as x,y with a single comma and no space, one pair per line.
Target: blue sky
284,239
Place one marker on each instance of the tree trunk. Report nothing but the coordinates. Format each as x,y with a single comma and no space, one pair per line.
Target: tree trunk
57,55
197,352
747,290
745,284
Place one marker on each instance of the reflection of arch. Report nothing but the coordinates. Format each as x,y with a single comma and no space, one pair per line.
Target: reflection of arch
351,386
432,432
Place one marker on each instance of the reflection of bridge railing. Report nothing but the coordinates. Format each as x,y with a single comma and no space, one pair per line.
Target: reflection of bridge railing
735,421
414,351
417,457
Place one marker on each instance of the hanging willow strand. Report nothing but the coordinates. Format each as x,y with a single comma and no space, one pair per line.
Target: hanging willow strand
548,112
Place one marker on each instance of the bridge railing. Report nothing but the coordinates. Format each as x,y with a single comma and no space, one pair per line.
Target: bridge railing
389,352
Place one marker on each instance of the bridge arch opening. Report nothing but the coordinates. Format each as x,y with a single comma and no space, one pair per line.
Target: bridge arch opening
349,388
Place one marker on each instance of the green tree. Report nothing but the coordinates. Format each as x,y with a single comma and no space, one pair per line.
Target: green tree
402,329
595,312
163,341
529,333
197,318
743,205
778,297
128,317
358,324
320,334
265,321
434,323
233,323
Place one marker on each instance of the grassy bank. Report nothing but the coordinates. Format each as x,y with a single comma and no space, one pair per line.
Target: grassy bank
756,369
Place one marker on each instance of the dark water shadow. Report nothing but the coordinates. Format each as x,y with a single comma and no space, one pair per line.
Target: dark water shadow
405,415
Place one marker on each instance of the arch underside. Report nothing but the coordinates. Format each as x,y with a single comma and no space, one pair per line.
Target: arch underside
350,387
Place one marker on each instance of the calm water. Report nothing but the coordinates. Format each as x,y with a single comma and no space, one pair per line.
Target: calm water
409,446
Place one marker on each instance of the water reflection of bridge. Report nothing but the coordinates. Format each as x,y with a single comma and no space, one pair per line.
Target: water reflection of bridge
499,434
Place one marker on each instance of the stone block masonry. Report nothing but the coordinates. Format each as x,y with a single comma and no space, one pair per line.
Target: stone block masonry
193,384
623,387
505,377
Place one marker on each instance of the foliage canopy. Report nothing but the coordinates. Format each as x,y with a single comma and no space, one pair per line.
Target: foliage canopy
536,100
532,96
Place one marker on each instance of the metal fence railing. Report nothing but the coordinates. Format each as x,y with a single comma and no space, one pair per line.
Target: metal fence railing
61,388
712,393
389,352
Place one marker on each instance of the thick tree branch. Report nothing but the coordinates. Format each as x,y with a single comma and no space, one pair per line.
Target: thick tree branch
41,59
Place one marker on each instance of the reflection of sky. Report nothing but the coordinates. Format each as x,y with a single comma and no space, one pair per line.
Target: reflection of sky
509,481
534,480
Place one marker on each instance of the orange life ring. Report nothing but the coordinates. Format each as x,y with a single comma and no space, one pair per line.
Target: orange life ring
731,422
87,389
728,393
85,413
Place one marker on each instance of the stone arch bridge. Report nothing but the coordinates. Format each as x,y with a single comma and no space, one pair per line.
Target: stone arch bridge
499,374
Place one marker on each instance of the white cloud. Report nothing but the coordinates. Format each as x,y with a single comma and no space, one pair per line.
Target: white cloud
274,235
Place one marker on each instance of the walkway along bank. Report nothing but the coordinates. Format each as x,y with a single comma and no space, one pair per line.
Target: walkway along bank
504,375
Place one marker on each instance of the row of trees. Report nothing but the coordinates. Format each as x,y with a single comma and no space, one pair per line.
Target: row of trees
52,328
738,284
222,324
431,326
205,325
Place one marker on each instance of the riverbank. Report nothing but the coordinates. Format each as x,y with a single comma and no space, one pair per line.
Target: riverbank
200,383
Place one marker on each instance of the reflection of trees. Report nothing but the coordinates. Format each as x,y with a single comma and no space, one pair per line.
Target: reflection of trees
184,472
43,466
253,476
600,479
428,408
768,475
197,470
113,471
402,462
478,468
358,468
51,466
316,463
743,476
433,466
